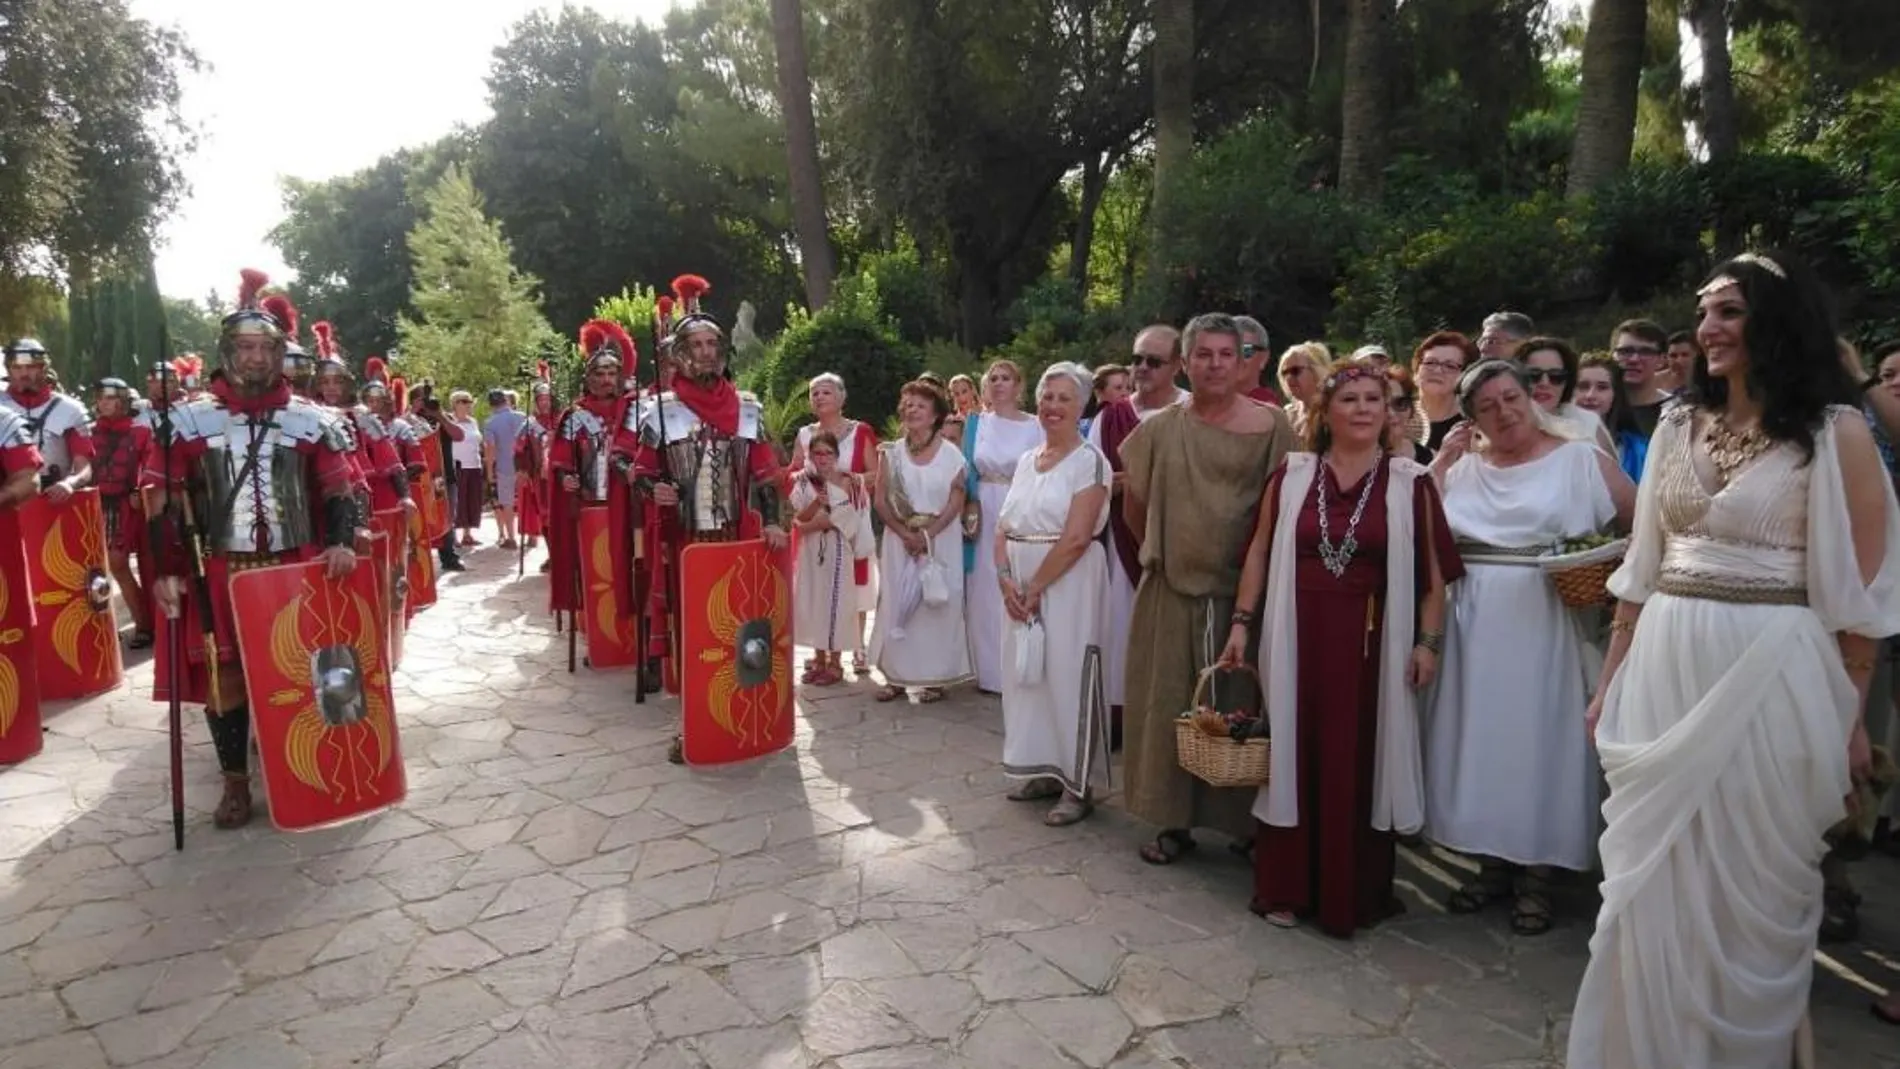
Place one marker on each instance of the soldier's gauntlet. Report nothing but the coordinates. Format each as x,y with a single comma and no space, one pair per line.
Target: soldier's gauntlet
339,521
765,497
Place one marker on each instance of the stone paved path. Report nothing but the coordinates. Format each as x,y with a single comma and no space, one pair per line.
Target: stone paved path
555,894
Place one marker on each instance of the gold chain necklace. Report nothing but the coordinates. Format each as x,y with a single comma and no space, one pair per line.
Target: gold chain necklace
1731,450
918,450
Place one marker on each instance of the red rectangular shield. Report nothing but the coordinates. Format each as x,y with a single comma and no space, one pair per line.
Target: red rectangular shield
392,572
431,493
19,674
736,651
612,638
421,569
77,642
317,671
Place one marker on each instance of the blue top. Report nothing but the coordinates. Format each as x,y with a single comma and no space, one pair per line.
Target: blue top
1632,449
504,426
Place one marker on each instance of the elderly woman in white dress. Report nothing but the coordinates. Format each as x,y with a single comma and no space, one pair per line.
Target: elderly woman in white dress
1763,567
828,514
920,643
1052,575
1508,770
993,441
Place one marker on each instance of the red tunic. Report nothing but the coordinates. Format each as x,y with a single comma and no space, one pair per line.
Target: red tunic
119,444
564,569
531,460
1334,866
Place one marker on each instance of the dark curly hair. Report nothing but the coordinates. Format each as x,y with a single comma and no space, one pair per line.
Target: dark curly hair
1794,367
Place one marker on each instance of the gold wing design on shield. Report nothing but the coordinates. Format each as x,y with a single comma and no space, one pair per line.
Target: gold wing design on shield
724,625
306,728
606,609
370,663
9,694
781,640
67,575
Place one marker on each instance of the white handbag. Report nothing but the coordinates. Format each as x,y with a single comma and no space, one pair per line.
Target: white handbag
936,588
1029,652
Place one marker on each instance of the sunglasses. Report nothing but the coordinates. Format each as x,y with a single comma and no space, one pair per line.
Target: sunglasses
1152,362
1556,376
1400,404
1627,352
1247,350
1295,371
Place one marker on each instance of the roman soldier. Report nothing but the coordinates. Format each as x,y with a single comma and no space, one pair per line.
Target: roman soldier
407,431
263,477
120,442
591,541
299,367
333,387
19,677
56,423
531,458
699,452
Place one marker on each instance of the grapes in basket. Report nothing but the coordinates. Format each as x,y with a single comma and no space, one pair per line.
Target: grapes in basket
1236,726
1584,543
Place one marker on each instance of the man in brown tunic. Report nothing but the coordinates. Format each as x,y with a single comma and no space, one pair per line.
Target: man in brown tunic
1194,477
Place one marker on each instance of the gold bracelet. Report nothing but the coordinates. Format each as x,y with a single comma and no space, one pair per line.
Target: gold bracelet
1858,664
1622,627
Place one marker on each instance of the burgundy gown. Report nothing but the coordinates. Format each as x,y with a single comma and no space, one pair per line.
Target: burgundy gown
1334,867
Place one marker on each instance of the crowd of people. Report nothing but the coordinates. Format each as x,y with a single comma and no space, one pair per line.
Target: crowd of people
1239,520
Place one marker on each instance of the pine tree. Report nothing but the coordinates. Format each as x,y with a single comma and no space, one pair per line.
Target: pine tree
478,320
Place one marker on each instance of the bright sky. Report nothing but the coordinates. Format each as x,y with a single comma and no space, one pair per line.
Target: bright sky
318,93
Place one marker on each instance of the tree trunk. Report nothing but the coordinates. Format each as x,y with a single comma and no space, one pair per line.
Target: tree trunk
1174,109
1606,111
1721,129
1094,184
976,301
1362,99
801,146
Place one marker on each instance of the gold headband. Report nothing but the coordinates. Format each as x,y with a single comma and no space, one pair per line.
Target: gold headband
1755,258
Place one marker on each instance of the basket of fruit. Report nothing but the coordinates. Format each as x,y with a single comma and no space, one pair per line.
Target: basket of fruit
1222,749
1581,569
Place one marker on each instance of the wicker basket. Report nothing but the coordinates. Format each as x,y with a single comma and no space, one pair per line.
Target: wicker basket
1582,579
1219,762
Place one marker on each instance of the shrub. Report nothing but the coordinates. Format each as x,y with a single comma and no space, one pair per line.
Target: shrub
1649,225
851,337
911,293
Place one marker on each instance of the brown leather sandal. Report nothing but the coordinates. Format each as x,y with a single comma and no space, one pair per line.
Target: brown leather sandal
234,809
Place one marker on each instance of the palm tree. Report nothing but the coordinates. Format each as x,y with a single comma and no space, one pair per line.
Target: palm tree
1174,104
801,146
1721,129
1362,98
1606,112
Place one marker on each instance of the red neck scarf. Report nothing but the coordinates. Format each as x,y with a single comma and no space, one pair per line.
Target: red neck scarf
278,396
112,424
30,398
604,407
717,405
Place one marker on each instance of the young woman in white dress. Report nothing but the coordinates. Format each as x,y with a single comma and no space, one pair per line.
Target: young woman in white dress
828,514
992,444
1763,566
920,497
1052,575
1509,775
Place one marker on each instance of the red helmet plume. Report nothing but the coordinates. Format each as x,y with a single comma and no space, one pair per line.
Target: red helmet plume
285,313
326,339
375,370
251,282
399,392
599,336
689,289
188,368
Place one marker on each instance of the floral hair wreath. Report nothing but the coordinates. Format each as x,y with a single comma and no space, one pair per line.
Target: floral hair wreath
1347,374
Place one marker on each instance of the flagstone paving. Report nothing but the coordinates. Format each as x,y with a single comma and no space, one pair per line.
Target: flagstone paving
553,893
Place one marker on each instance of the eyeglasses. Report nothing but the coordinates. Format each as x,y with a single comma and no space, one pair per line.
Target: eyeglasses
1151,362
1442,365
1400,404
1248,349
1626,352
1295,371
1556,376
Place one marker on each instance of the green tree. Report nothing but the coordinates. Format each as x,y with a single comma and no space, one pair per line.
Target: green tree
477,319
192,326
344,237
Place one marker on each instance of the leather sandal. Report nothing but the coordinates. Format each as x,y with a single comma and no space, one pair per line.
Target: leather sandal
234,809
1073,809
676,751
1035,790
140,640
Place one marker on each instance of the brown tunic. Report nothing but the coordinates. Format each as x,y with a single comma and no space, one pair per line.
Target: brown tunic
1202,486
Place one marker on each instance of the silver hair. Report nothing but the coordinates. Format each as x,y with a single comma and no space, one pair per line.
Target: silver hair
1250,326
1208,323
830,378
1068,369
1478,374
